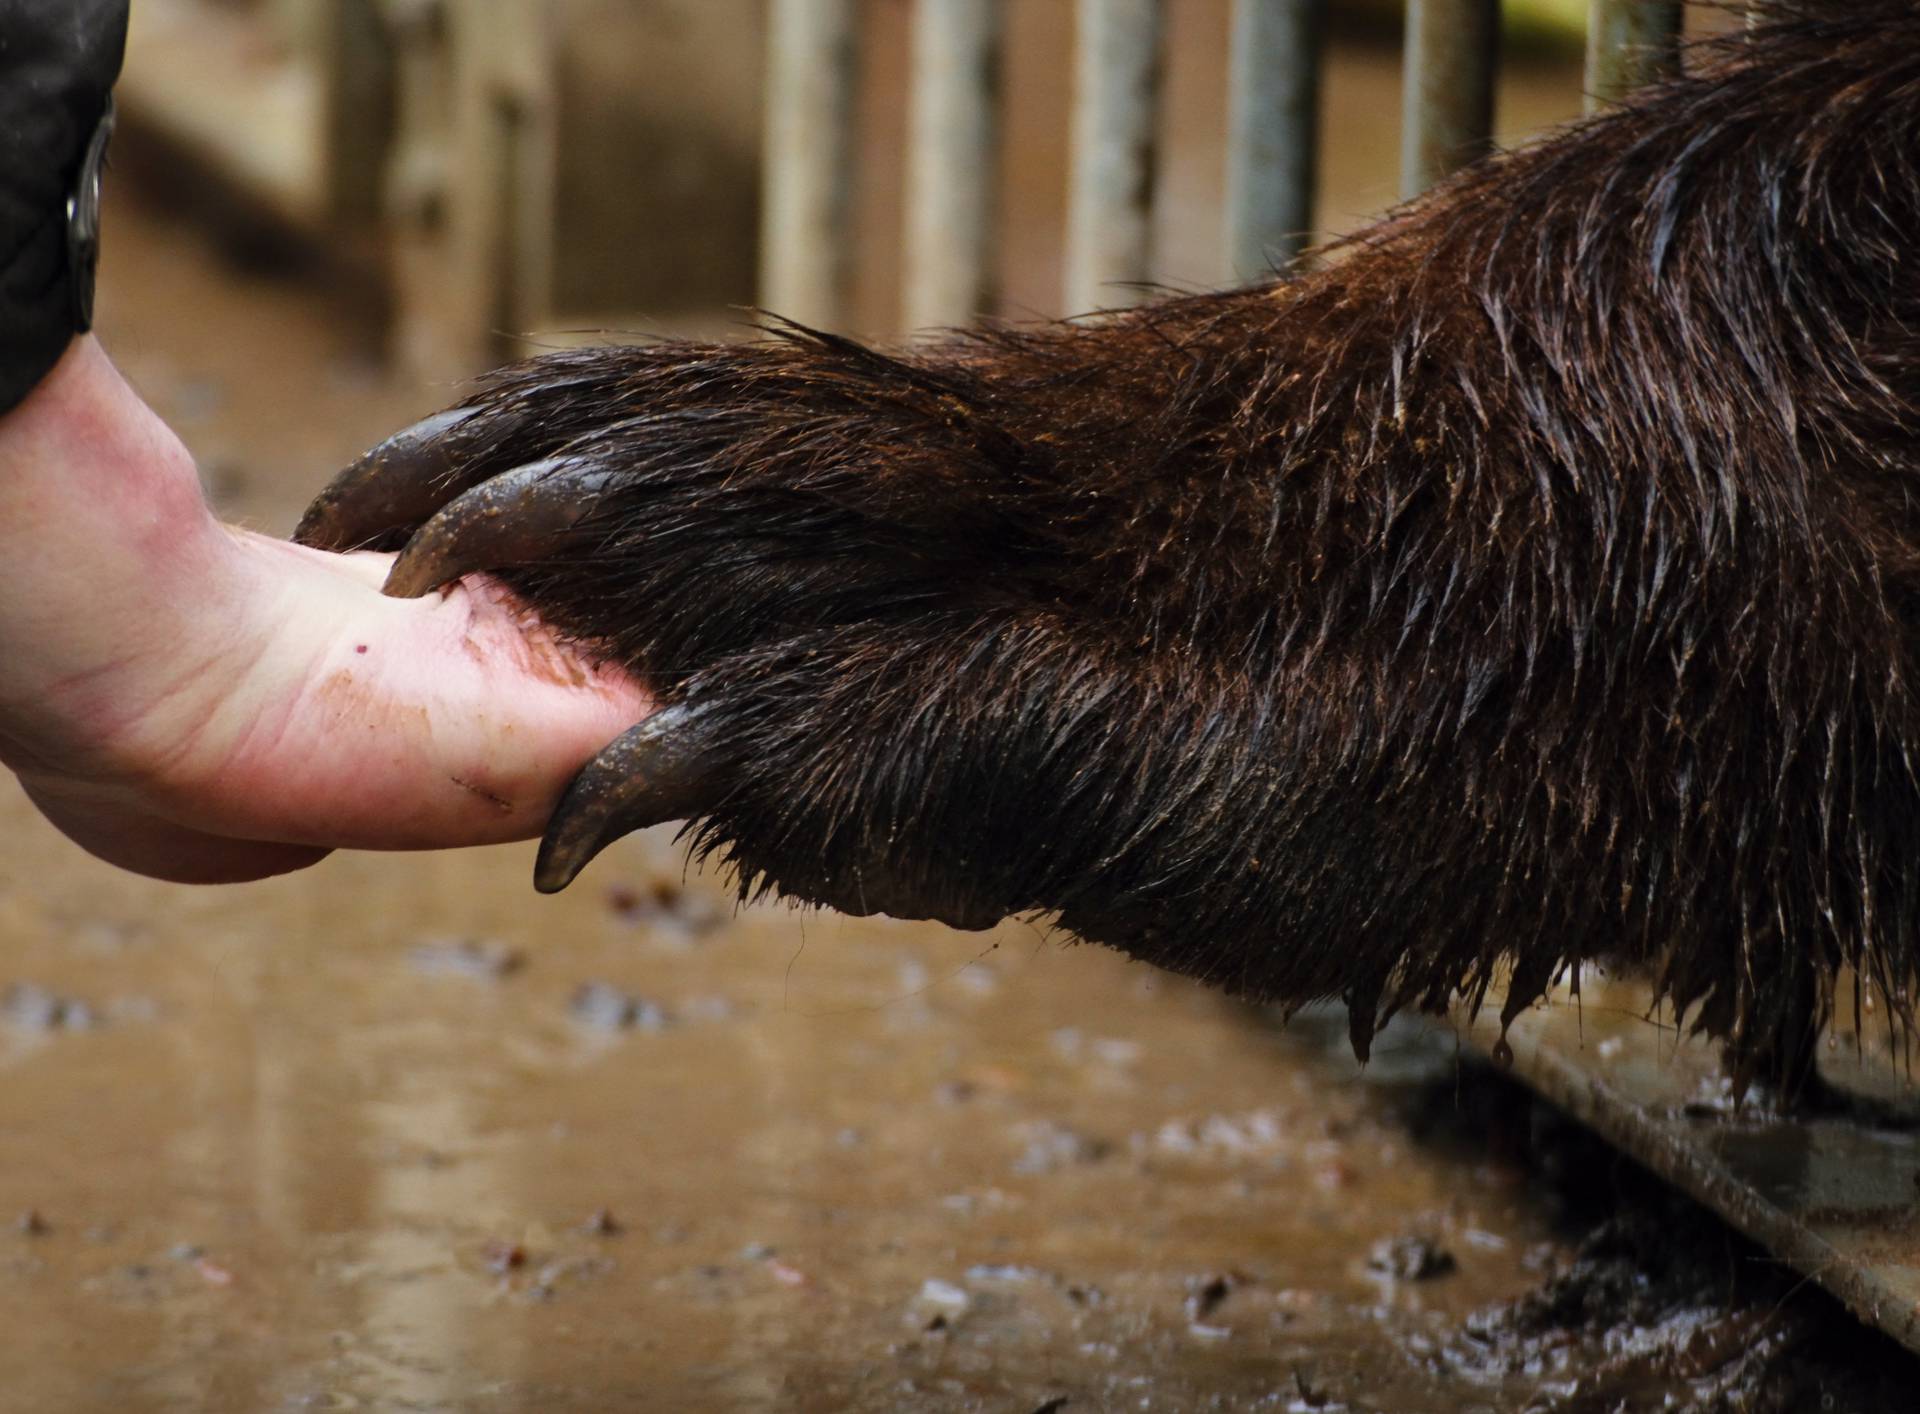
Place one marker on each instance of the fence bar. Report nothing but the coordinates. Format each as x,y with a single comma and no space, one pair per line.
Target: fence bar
1630,43
806,226
1115,112
1273,132
1453,48
950,162
356,58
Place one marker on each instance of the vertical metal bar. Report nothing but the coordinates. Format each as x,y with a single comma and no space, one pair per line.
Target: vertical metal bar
1273,132
1115,113
806,228
1630,43
950,161
1453,49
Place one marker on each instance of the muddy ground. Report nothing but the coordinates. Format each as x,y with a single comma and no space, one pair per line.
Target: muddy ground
399,1134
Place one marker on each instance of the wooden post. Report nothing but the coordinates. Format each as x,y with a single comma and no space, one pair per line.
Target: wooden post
473,191
1115,113
807,234
357,118
951,164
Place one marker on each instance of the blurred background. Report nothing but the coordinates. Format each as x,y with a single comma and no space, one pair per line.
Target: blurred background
398,1134
503,171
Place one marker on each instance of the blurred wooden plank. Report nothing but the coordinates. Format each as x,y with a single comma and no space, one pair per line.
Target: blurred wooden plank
1115,127
812,64
257,129
473,191
951,162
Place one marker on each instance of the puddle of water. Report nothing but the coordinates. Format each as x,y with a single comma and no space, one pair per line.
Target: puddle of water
303,1171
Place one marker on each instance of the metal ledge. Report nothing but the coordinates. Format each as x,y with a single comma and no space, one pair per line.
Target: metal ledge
1836,1199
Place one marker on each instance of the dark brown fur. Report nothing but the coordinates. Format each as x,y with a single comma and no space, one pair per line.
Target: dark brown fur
1536,582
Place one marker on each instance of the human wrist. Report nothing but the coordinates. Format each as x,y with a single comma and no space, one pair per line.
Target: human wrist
108,554
89,471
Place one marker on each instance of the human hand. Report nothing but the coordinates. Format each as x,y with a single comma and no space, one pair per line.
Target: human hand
203,704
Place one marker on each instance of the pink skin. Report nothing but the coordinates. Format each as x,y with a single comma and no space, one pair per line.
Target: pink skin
207,705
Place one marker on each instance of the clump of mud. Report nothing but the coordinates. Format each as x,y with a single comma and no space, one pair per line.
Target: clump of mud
1662,1306
1668,1311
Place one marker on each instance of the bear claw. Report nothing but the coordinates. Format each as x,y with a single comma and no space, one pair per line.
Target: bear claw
397,485
661,770
512,519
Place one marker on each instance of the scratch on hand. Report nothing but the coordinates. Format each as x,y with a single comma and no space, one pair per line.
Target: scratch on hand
498,802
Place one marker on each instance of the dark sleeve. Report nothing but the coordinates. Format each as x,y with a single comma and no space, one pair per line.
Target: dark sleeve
58,63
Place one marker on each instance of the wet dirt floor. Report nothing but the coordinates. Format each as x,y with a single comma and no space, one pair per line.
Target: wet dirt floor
399,1134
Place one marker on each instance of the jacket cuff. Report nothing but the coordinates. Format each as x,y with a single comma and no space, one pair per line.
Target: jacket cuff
58,63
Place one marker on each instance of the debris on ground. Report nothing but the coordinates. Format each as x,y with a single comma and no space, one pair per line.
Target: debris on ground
35,1008
501,1256
1410,1258
481,959
1205,1294
665,907
1047,1146
604,1007
938,1306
